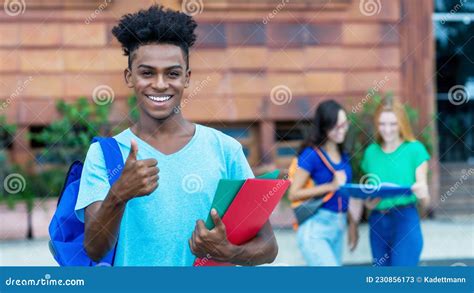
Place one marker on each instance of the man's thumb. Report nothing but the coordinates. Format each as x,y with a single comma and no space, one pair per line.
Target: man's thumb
133,150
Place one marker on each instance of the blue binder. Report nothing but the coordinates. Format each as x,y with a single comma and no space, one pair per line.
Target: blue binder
384,190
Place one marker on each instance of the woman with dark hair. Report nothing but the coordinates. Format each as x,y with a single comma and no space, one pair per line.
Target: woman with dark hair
323,160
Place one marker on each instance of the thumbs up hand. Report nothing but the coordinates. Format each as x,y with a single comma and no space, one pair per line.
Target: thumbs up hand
138,178
133,151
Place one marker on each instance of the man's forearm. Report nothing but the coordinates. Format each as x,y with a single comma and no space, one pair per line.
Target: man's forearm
102,226
260,250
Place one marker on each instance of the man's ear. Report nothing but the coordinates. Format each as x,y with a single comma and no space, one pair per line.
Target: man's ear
188,78
127,74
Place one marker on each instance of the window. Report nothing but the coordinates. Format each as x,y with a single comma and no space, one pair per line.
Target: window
246,134
288,138
454,23
6,138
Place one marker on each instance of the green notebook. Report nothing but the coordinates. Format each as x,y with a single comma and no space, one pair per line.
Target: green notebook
226,190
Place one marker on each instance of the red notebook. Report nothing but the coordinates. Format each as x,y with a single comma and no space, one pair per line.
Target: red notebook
249,211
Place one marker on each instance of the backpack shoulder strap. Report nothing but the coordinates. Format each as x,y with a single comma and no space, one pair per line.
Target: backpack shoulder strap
328,196
325,160
114,164
292,168
112,156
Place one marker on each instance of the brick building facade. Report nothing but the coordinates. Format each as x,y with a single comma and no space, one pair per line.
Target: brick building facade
319,49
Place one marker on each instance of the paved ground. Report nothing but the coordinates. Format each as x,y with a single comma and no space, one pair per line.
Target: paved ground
446,242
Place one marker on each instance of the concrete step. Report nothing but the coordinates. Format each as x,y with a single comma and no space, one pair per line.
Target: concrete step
455,165
466,177
462,178
457,206
447,194
456,190
460,193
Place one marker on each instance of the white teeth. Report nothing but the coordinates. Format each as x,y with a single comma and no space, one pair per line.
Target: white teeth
159,99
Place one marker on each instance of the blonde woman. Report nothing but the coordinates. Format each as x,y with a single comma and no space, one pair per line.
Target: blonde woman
396,157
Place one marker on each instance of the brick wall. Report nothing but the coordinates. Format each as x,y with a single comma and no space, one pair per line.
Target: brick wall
319,49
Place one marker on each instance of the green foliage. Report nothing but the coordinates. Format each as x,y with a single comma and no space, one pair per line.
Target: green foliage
26,186
9,201
455,125
7,132
68,139
133,115
65,141
133,109
4,170
47,183
42,184
25,190
361,133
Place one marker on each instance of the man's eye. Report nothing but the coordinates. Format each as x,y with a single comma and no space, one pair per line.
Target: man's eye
146,73
174,74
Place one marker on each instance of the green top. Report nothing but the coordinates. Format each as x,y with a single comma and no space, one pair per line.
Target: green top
398,167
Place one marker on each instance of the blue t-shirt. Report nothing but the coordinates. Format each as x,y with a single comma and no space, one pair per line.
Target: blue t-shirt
155,229
310,161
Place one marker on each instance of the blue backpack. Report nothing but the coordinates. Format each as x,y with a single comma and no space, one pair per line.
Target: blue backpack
65,230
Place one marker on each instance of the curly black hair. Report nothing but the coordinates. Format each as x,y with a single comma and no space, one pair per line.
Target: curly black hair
155,25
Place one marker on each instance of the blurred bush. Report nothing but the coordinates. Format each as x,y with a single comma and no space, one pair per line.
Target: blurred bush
133,109
68,139
7,132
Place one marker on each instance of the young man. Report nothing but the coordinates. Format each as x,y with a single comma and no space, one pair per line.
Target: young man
156,214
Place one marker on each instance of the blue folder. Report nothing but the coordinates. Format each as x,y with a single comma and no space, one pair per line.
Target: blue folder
383,190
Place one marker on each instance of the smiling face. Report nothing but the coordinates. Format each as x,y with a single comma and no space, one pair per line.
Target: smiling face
338,133
158,75
388,127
